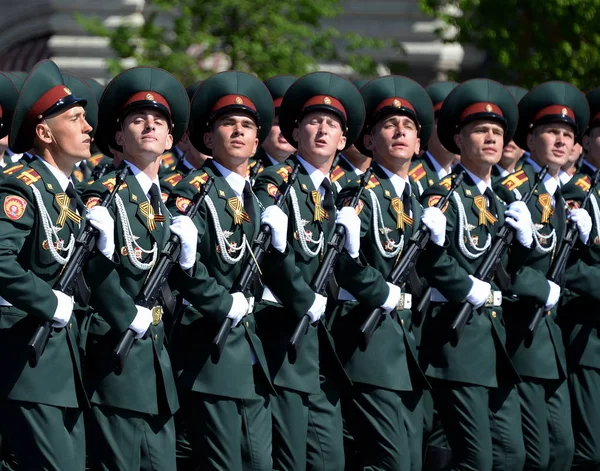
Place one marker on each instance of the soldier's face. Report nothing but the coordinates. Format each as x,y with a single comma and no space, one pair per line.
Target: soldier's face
145,134
510,154
67,134
480,142
591,144
276,145
551,144
395,138
233,136
320,136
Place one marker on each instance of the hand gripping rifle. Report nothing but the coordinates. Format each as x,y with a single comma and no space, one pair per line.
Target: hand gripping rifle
245,279
559,264
158,277
402,269
493,258
323,274
69,277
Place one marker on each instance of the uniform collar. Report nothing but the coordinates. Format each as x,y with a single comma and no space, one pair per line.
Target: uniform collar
62,179
314,173
564,177
479,183
397,181
502,171
592,168
273,161
441,171
235,181
550,183
187,165
142,178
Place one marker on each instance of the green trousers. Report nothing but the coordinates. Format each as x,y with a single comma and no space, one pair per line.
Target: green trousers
584,386
122,440
482,425
43,437
546,417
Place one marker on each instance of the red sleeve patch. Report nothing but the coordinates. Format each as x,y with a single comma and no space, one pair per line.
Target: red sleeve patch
14,207
93,201
272,190
182,204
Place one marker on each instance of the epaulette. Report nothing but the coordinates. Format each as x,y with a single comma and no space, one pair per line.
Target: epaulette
417,173
446,182
283,172
515,180
173,179
109,184
337,173
13,169
584,183
78,175
29,176
167,159
373,182
95,159
199,180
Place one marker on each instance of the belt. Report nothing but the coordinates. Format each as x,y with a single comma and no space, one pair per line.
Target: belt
4,302
493,300
405,301
268,295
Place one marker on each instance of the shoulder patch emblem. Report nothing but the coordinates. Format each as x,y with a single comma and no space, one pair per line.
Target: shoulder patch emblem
283,172
515,180
584,183
434,200
174,179
182,203
93,201
359,207
14,207
417,173
572,204
337,173
29,176
272,190
13,169
198,181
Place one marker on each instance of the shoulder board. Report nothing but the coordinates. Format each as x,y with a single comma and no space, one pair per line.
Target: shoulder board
283,172
199,180
446,182
95,159
252,163
174,179
515,180
109,183
167,159
29,176
584,183
13,169
337,173
417,173
373,182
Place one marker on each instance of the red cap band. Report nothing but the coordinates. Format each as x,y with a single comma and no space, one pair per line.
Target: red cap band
554,110
147,96
229,100
277,102
438,106
595,118
327,101
481,107
0,111
47,100
395,102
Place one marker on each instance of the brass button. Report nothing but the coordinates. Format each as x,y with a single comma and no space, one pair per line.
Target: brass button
70,325
494,314
246,323
548,313
402,321
155,336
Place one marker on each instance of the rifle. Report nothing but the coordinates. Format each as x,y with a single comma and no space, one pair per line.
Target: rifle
559,264
493,258
69,277
99,171
158,277
402,269
251,268
323,274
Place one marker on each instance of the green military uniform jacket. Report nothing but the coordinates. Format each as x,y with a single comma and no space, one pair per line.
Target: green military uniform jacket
422,173
343,173
146,384
545,357
276,321
390,360
232,376
577,314
28,270
480,357
169,180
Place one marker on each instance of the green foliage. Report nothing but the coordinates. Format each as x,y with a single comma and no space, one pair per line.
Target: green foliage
527,41
262,37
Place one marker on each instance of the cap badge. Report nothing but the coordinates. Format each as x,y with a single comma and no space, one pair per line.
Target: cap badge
149,97
67,91
239,101
397,103
563,111
488,108
327,101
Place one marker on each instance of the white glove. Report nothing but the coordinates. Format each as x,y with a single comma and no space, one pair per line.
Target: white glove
141,321
435,220
278,222
553,296
100,218
480,292
519,218
238,309
392,299
64,309
185,229
348,218
584,223
317,309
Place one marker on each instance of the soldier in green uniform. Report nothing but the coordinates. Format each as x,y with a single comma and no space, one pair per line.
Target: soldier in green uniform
322,114
577,312
41,418
551,117
275,149
143,111
473,381
381,407
436,162
8,99
226,403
